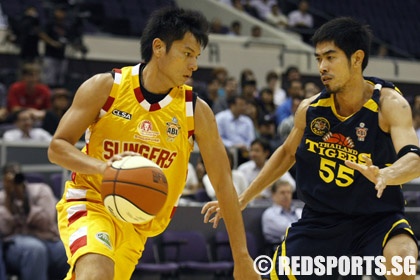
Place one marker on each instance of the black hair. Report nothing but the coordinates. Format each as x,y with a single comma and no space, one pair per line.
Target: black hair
231,100
263,143
171,24
347,34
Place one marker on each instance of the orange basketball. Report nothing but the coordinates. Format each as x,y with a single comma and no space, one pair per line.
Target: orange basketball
134,189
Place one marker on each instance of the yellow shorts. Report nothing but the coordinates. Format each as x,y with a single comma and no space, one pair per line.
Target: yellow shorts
87,227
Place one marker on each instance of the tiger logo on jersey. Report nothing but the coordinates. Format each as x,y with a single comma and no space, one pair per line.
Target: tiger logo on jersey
320,126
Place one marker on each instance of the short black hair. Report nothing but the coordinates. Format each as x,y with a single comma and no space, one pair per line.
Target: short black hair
347,34
171,24
263,143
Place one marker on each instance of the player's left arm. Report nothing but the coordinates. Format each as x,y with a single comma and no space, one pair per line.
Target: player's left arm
395,117
218,169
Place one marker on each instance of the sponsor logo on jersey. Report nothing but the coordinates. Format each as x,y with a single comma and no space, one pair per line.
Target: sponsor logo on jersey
121,114
146,132
172,129
103,237
320,126
361,132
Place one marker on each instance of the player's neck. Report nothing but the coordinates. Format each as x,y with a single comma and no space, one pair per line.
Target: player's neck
352,99
151,81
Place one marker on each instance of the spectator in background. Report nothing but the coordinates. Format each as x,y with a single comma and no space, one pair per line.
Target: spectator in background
55,63
230,89
25,130
221,74
266,106
235,28
263,7
259,153
191,184
29,92
256,31
273,82
251,110
29,229
235,128
284,110
217,27
292,73
249,9
239,181
268,131
211,93
286,125
302,21
248,85
276,18
200,170
310,89
60,102
278,217
25,33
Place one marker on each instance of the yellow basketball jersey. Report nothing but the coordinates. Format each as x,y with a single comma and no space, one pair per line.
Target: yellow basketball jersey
161,132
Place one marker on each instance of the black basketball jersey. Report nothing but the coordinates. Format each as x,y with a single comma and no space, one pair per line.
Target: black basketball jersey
324,182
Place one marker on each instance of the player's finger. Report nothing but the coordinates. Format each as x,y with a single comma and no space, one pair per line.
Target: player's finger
206,206
380,191
208,213
354,165
368,160
215,220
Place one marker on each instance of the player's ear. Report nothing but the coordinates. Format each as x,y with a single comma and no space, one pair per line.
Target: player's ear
357,58
159,47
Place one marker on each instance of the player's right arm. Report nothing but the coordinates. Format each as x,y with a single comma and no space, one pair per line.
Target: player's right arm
87,103
280,162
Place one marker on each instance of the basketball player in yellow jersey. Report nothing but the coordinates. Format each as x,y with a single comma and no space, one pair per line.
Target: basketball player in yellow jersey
143,109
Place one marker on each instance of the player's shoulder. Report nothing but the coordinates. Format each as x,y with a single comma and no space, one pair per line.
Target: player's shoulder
392,97
98,81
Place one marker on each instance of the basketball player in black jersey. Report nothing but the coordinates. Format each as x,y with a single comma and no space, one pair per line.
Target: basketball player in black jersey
355,119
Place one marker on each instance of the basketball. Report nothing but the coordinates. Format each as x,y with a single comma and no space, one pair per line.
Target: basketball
134,189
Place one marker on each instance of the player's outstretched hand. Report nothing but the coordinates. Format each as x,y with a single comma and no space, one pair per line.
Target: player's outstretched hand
209,209
371,172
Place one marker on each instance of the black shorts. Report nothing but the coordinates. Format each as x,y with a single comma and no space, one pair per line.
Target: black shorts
334,235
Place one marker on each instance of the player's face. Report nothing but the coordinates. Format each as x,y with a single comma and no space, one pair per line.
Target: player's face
180,62
333,65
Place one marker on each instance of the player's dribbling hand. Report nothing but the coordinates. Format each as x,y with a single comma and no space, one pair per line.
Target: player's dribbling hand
244,269
371,172
208,210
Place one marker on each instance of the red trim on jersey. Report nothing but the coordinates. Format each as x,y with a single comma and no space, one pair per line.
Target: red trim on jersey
173,212
78,243
116,70
188,96
138,94
77,216
154,107
108,103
